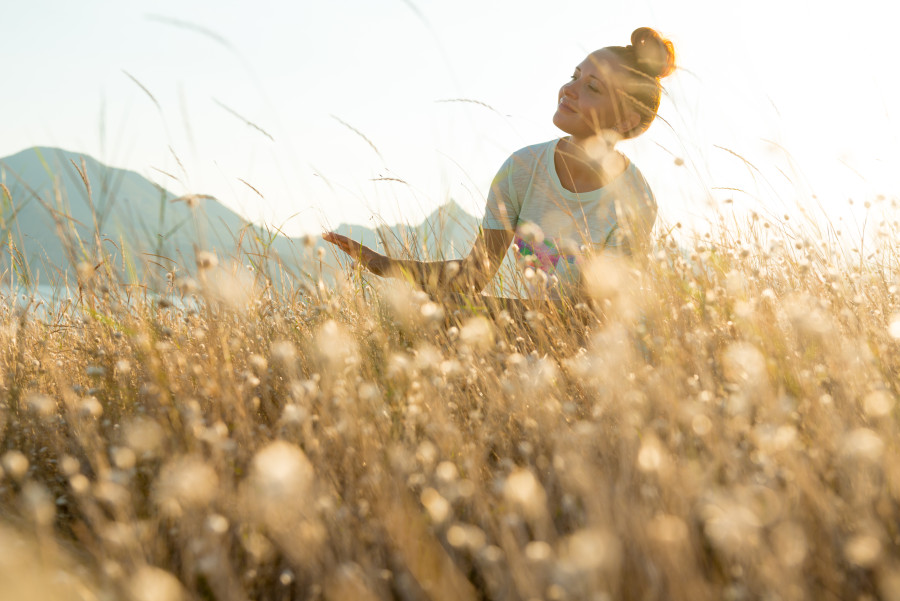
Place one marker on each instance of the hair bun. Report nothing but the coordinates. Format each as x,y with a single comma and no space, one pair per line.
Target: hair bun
655,55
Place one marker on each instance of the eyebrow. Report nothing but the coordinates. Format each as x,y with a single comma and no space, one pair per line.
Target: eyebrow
595,78
591,76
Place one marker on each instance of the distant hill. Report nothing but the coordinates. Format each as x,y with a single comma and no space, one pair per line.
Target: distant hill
50,207
448,232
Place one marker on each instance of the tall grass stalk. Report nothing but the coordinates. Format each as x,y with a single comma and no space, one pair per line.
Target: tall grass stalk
717,423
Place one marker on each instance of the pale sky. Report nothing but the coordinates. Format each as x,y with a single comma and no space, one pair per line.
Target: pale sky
809,95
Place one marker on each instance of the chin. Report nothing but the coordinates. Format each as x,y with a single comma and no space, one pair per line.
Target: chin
560,122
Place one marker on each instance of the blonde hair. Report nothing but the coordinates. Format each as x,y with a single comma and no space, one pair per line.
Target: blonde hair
648,58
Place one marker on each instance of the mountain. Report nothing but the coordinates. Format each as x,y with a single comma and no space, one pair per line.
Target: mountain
448,232
57,200
58,207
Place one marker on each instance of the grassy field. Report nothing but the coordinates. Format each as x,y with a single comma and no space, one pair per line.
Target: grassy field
725,429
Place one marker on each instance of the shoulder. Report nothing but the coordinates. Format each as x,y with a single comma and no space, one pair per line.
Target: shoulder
638,185
527,158
534,151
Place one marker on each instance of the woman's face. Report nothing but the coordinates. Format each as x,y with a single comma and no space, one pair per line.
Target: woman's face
587,104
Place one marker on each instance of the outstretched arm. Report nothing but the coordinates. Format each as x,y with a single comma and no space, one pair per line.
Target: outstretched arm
470,274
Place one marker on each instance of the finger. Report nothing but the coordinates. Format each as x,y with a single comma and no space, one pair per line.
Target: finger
340,241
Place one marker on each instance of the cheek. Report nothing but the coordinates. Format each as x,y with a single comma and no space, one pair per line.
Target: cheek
599,111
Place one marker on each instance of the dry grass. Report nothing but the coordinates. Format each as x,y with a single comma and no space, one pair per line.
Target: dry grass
728,430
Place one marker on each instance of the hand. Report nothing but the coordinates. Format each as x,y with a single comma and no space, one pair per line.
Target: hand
365,256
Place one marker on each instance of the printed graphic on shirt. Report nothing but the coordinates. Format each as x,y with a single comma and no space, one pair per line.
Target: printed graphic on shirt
546,254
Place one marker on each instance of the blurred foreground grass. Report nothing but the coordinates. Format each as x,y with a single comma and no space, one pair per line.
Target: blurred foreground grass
727,430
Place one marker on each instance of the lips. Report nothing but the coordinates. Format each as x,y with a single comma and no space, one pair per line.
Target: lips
565,106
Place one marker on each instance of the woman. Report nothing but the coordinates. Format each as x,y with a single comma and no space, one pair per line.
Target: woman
566,199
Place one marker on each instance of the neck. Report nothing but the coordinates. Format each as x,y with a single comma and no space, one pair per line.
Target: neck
590,159
593,149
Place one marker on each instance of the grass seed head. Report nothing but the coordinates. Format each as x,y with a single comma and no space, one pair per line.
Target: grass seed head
477,333
150,583
206,260
41,405
37,503
525,494
144,436
335,346
590,551
231,285
862,444
744,363
878,403
15,464
863,550
90,408
437,506
280,476
185,483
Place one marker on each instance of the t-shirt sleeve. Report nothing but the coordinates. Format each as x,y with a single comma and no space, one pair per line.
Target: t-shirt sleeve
635,215
502,209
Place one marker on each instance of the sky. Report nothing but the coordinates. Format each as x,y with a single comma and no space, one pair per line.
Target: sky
309,114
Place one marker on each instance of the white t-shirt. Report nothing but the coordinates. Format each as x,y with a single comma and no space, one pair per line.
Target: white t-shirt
556,228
